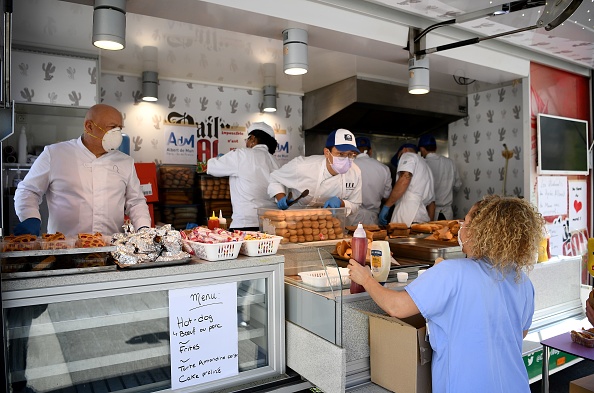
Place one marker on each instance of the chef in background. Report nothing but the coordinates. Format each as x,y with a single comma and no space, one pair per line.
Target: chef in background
248,170
413,195
445,177
376,182
88,183
332,179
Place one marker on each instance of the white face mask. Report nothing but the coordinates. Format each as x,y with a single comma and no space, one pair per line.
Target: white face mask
460,242
112,139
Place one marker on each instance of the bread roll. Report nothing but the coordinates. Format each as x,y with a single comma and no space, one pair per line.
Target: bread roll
279,224
423,228
396,225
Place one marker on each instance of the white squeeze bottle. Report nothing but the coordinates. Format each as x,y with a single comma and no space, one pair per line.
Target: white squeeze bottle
222,221
380,260
22,152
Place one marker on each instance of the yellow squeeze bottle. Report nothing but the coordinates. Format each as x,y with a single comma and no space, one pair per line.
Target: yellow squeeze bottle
380,260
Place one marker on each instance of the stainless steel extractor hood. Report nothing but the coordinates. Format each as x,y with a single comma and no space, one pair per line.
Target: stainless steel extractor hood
364,106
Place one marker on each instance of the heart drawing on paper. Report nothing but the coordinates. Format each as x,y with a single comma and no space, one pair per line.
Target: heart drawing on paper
577,205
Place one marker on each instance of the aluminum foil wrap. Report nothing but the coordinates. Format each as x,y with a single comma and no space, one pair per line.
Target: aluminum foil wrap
161,244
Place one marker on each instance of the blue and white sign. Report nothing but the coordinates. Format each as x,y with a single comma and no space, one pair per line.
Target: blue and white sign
180,144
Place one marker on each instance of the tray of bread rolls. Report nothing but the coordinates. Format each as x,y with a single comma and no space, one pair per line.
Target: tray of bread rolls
28,256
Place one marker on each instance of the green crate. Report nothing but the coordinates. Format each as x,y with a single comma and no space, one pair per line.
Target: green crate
533,361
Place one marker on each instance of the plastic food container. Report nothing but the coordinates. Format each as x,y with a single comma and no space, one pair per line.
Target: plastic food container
57,244
90,260
319,279
254,248
303,225
215,252
9,246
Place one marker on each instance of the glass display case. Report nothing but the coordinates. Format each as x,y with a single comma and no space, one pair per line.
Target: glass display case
114,335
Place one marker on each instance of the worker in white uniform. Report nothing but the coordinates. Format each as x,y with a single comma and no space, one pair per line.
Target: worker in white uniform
377,184
331,179
445,177
248,170
89,185
413,195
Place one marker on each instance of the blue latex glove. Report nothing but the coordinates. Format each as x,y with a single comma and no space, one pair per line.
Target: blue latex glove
31,226
191,225
283,204
333,202
383,215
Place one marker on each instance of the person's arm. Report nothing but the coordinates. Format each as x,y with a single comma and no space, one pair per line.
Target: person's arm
135,205
225,165
284,178
354,200
396,303
30,191
431,210
404,179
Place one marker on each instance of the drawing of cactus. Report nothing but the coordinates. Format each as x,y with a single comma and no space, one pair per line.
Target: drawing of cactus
466,120
248,106
478,117
171,98
501,93
190,85
157,121
233,104
220,88
261,107
490,154
137,142
118,95
477,99
75,98
53,97
154,142
103,91
517,109
27,95
490,114
489,173
137,95
488,133
454,139
477,137
467,193
490,190
24,68
517,150
71,71
288,111
93,75
250,92
158,162
218,103
187,100
467,156
478,155
49,70
501,132
203,103
517,192
501,173
488,95
121,78
503,113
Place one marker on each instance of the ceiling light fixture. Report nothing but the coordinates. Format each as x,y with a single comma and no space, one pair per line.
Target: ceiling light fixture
418,75
109,24
269,90
295,51
150,76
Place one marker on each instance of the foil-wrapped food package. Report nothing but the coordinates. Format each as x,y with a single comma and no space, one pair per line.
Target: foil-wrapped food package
162,244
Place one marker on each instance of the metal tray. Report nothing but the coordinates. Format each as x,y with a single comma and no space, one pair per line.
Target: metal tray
58,272
154,264
424,250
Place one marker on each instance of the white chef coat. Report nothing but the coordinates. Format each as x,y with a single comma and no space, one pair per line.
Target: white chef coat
248,171
412,206
446,180
376,184
310,173
84,193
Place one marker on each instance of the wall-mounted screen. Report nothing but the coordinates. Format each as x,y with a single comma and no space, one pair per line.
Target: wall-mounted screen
562,146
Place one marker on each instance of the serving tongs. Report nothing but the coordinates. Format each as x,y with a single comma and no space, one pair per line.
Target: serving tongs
290,195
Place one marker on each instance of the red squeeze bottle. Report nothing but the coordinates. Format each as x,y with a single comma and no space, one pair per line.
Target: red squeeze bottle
359,247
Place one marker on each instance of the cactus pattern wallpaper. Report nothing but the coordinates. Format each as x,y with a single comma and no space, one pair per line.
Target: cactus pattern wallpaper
481,143
233,106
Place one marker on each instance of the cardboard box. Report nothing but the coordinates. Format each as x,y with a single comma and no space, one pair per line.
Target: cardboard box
399,355
582,385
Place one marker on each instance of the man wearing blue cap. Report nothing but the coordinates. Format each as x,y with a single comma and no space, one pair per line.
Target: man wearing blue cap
445,177
377,184
413,195
331,178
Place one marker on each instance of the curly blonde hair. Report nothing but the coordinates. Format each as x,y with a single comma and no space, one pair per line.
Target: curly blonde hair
506,231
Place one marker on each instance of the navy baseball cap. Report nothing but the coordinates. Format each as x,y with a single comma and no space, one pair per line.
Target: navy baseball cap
342,140
363,141
427,140
394,159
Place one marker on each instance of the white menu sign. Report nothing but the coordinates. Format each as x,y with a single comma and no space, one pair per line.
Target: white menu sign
552,195
203,334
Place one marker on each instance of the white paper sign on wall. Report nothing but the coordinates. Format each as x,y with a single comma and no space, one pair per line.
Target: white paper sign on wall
203,334
578,205
552,195
180,144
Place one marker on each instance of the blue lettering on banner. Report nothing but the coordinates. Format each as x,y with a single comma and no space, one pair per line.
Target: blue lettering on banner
181,141
284,147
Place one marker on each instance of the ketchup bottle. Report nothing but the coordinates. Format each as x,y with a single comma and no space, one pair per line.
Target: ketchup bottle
359,246
213,222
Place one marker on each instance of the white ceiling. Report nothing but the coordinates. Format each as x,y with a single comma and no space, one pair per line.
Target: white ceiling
212,42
